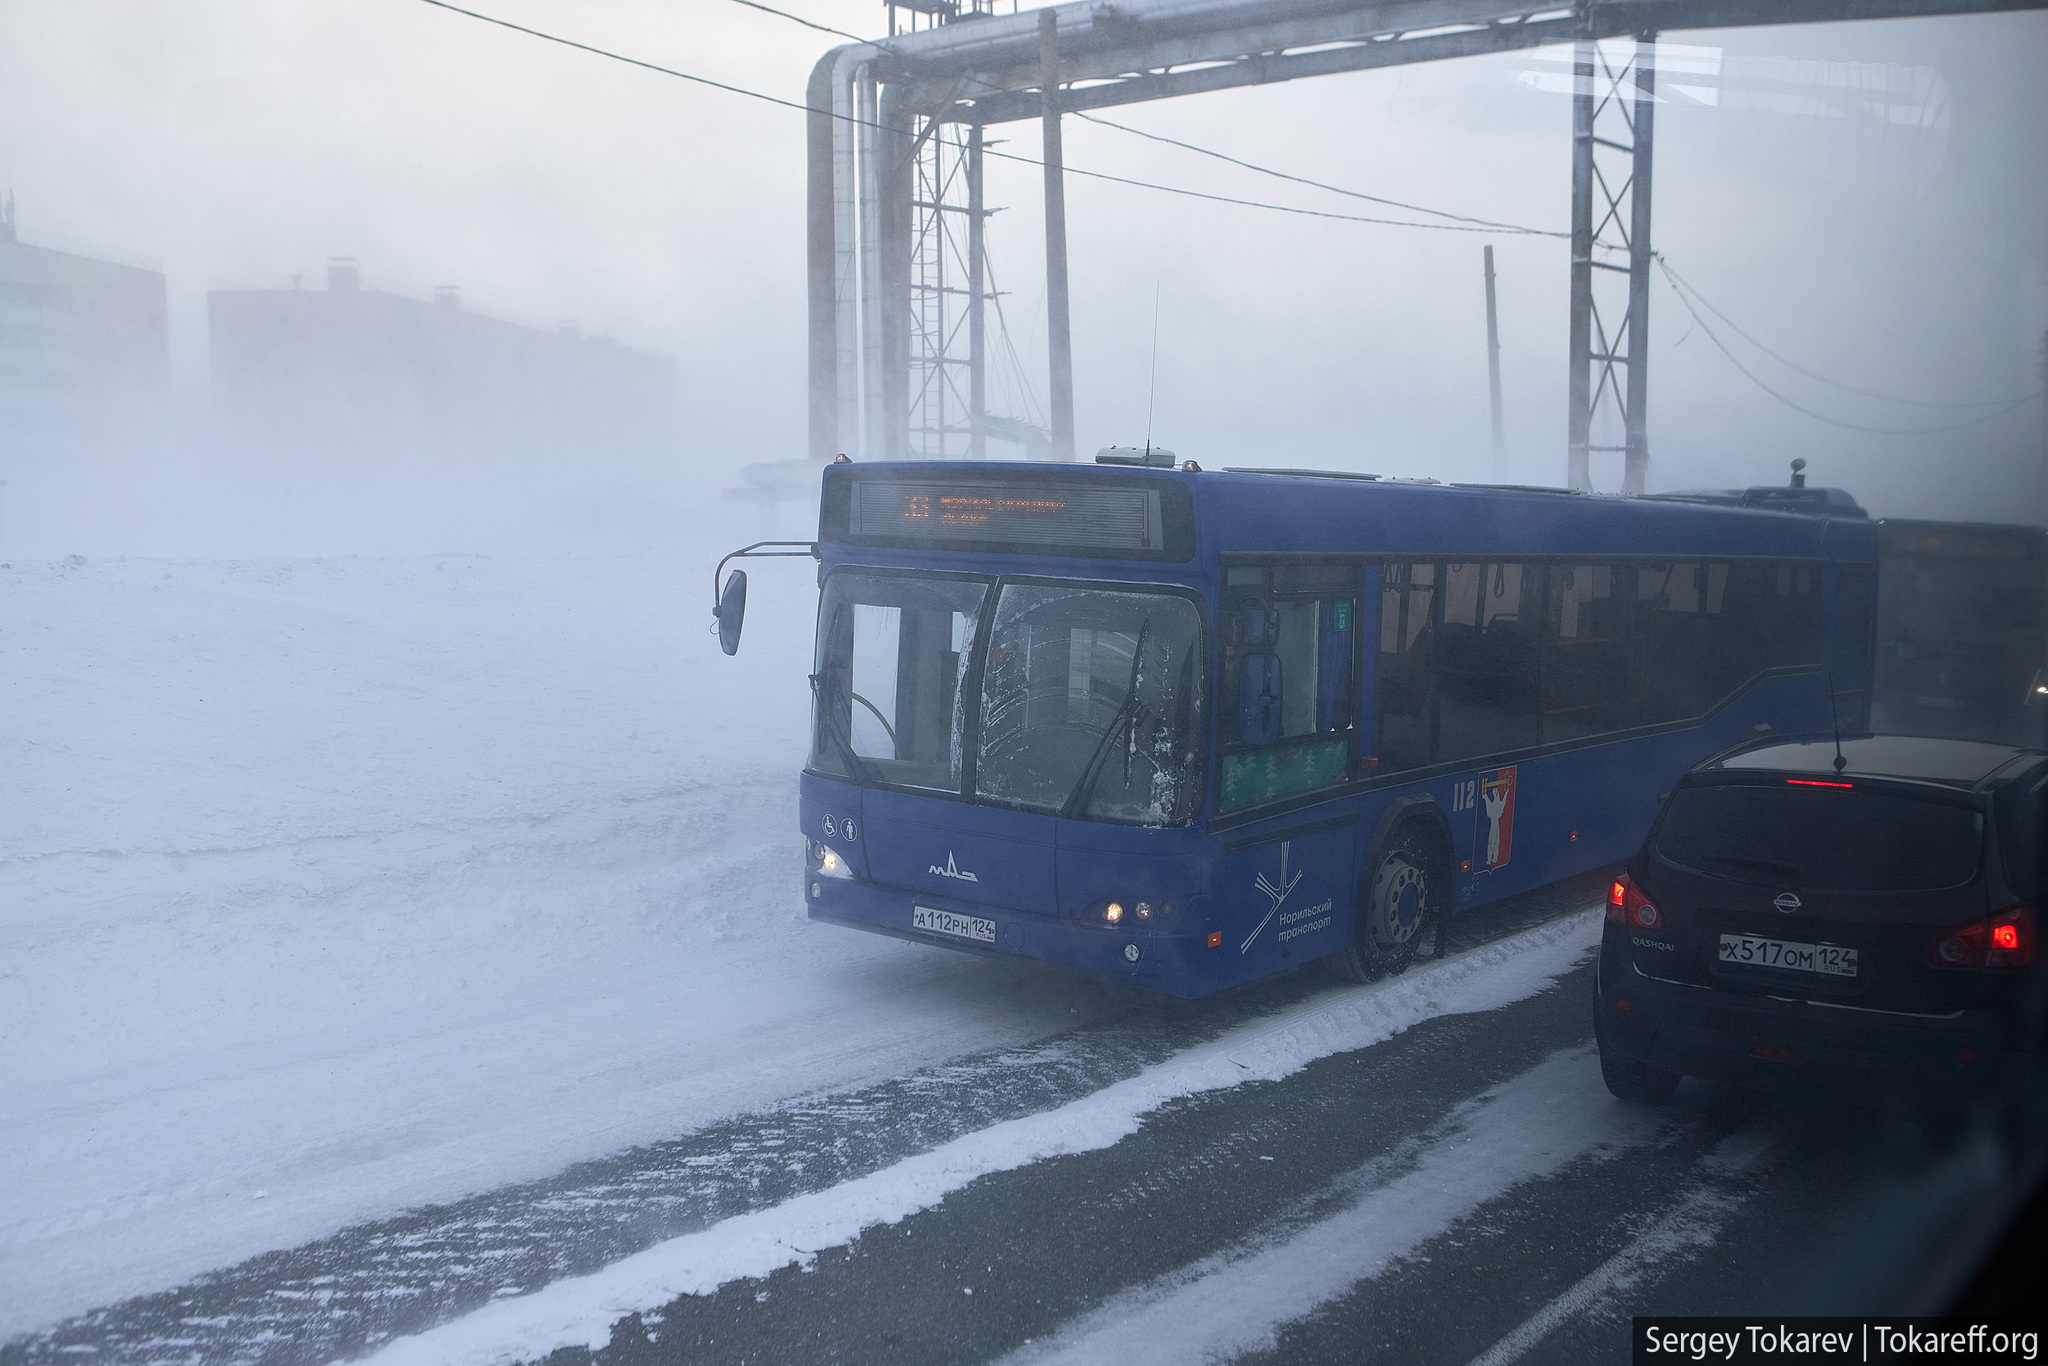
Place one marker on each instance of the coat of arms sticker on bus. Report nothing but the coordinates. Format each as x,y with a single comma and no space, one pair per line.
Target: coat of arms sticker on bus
1493,836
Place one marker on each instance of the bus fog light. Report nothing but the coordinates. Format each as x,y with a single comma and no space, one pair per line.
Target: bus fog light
1113,912
1131,953
816,891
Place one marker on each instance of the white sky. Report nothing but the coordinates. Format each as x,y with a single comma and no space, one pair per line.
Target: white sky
238,142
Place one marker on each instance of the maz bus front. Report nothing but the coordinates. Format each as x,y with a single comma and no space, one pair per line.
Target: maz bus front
1191,728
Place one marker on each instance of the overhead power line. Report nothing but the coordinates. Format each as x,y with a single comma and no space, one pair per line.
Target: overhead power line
1751,376
797,19
1680,282
1004,156
1317,184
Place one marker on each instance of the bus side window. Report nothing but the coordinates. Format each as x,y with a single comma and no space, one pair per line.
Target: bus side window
1680,639
1261,694
1407,650
1588,653
1486,680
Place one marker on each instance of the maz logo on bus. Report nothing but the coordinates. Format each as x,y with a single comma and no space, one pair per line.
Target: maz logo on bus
950,870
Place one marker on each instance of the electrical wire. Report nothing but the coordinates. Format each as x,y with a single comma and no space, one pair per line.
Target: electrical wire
1003,156
794,19
1317,184
1823,417
1459,223
1680,282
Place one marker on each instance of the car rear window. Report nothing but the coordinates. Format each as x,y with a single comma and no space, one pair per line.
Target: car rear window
1843,839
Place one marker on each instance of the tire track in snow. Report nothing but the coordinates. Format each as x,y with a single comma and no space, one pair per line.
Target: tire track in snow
347,1294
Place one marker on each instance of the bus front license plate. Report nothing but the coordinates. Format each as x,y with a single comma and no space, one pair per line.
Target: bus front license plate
974,927
1751,951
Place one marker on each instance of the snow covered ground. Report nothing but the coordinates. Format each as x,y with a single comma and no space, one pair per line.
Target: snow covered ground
332,887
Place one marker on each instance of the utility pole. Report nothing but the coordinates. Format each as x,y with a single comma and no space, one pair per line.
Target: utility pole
1059,336
1500,445
977,289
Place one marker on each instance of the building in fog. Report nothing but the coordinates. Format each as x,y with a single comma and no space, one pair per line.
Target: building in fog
77,335
345,364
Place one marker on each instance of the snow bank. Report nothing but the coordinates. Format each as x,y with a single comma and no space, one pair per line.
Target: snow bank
334,887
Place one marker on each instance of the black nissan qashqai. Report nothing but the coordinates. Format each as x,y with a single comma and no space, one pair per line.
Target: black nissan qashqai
1807,911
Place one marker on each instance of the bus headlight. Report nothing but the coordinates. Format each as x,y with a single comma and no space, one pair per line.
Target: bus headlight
829,862
1113,912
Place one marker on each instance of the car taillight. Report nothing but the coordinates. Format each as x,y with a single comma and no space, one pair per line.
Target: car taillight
1627,906
2004,940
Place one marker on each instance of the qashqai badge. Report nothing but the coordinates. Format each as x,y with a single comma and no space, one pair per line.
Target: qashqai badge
1786,902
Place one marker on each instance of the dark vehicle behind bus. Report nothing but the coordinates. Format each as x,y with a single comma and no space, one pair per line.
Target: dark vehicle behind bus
1962,631
1875,922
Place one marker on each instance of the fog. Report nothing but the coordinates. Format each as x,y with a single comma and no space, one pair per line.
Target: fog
237,144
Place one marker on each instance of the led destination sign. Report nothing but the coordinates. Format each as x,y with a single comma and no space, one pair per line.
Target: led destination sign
1092,518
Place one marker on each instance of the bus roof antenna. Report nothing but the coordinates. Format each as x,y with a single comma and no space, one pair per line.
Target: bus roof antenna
1152,386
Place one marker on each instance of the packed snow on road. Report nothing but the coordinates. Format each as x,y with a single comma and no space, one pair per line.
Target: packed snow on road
335,887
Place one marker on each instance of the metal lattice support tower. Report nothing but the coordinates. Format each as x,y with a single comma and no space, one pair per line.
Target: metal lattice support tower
869,101
947,356
1613,109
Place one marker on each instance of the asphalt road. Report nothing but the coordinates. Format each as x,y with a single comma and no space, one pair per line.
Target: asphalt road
1463,1190
1201,1236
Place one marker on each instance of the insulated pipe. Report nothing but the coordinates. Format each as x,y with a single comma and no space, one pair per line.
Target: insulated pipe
820,259
1058,332
846,242
977,289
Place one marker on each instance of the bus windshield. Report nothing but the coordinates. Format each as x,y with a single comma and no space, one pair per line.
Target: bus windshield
1090,705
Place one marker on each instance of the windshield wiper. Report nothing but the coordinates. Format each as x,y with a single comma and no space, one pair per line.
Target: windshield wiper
854,765
1127,711
1131,712
1761,865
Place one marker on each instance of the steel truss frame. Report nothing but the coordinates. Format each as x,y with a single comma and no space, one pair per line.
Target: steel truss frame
877,108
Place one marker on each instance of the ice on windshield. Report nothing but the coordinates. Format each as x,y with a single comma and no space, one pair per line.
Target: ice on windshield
1092,704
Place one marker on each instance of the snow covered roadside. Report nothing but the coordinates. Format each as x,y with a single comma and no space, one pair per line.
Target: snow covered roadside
1550,1118
334,887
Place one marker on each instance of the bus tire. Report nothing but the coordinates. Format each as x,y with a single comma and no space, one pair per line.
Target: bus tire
1402,907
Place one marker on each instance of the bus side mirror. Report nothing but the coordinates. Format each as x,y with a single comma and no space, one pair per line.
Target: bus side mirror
731,611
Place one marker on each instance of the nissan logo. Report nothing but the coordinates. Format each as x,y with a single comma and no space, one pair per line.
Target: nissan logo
1786,902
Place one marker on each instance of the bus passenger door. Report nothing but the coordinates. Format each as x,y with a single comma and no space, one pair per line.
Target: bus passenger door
1287,890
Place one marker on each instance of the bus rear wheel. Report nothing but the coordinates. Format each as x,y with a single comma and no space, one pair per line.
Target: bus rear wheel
1402,913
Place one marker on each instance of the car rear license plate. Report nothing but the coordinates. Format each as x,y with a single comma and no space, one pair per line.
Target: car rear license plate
974,927
1748,950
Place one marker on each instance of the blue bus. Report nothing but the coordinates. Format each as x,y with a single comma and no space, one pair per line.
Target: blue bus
1189,728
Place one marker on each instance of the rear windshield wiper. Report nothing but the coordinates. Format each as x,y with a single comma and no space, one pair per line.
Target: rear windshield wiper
1761,865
